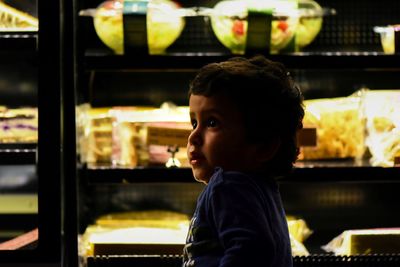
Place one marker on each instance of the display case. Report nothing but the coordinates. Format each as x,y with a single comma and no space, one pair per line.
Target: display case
30,146
332,195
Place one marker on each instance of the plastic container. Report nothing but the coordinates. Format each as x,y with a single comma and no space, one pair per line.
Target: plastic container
310,22
229,21
388,37
164,23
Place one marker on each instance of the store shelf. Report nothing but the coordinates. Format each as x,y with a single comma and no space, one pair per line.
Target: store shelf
20,203
17,153
376,260
106,174
18,221
309,172
20,41
318,60
323,174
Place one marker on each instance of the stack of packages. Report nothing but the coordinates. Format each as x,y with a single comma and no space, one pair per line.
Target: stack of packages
18,125
118,136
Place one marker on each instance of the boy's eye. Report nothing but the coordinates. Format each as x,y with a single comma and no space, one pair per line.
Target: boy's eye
212,122
194,124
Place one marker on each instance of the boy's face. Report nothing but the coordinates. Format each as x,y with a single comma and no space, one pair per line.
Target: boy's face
218,137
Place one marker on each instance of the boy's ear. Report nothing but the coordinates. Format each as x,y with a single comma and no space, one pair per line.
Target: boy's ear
265,152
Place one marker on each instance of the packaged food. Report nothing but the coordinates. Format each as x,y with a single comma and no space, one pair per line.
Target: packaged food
162,19
299,232
229,21
136,232
340,128
126,143
382,112
311,16
365,241
388,35
130,139
14,20
310,22
298,228
94,134
19,125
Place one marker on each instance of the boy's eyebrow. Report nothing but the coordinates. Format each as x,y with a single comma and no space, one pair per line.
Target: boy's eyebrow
211,110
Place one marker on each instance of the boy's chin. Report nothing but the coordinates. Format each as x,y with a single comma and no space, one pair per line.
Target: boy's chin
201,177
201,180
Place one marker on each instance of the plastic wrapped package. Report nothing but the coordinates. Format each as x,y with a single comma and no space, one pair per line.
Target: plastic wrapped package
388,37
82,120
18,125
130,145
382,112
298,228
299,232
340,128
94,134
167,143
14,20
365,241
86,139
126,143
163,22
135,232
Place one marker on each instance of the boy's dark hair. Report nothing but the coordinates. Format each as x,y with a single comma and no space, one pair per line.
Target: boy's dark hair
271,103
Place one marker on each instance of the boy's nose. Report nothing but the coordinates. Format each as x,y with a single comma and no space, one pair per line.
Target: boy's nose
195,137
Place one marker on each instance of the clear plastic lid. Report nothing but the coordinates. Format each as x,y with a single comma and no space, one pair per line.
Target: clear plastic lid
164,22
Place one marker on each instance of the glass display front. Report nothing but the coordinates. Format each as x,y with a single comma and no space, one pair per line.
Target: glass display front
18,125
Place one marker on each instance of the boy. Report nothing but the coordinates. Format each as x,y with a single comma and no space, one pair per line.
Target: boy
245,115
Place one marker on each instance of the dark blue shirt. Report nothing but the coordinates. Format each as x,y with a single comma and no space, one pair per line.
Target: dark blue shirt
239,221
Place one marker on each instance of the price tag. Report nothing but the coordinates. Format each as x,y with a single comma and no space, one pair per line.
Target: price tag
307,137
167,136
397,161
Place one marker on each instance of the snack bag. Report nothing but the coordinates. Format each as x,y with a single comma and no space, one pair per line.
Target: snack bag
382,113
339,125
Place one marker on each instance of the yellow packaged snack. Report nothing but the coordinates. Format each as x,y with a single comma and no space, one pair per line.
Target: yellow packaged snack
339,125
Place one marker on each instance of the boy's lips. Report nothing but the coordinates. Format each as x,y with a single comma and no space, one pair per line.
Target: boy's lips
195,158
